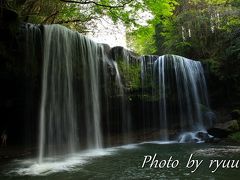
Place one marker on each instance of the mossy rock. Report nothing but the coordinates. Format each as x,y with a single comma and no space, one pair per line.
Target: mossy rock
234,126
235,136
231,126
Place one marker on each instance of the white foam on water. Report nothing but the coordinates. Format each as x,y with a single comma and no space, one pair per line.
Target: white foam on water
31,167
159,142
129,146
192,137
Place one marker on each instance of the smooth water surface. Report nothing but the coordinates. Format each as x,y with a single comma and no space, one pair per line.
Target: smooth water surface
126,163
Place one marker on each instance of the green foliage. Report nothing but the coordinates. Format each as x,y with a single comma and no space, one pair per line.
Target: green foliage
142,39
76,14
235,136
207,30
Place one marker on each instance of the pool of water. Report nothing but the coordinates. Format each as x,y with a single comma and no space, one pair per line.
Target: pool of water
126,162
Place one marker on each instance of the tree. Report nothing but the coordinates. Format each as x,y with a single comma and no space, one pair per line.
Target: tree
142,39
205,30
75,14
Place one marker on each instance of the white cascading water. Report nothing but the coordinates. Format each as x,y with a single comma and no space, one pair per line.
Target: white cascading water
159,66
192,91
65,54
179,85
90,56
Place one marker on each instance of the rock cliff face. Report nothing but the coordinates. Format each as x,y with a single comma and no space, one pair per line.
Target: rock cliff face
12,82
128,104
21,77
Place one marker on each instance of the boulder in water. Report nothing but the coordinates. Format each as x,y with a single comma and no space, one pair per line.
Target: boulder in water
218,133
194,137
204,136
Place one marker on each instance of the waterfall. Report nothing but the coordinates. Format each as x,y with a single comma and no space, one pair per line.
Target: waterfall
70,78
160,66
123,56
178,90
84,97
57,115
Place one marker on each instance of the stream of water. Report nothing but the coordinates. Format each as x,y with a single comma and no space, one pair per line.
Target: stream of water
125,162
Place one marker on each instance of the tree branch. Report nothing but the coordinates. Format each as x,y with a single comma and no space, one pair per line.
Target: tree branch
70,21
98,4
52,15
85,19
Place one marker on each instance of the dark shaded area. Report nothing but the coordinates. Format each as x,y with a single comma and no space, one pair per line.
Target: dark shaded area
219,133
20,86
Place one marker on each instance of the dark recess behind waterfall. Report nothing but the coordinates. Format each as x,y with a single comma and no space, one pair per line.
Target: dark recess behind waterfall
20,86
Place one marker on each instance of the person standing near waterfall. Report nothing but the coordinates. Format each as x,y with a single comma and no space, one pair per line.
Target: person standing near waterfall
4,138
